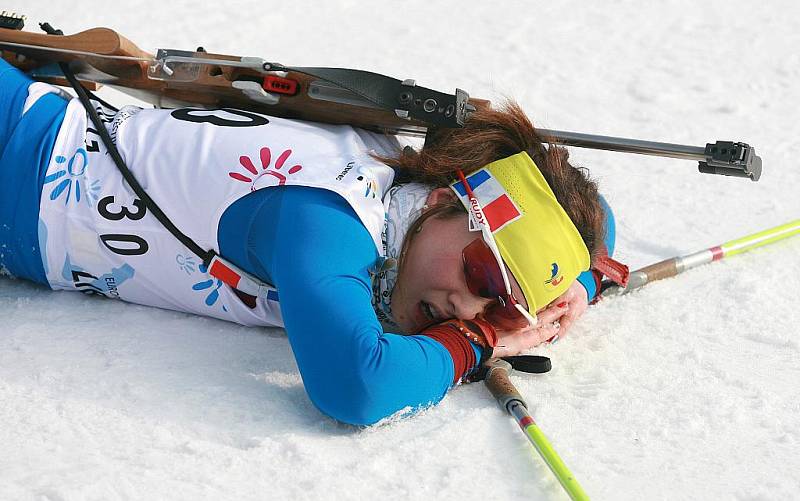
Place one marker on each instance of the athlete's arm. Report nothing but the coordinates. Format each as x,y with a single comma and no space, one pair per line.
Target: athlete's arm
30,117
576,299
311,245
589,279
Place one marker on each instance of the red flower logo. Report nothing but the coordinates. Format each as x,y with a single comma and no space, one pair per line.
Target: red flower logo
266,159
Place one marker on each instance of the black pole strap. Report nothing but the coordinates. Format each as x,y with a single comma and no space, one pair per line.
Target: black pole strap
531,364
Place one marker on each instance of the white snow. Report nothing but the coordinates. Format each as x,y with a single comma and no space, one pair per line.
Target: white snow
689,389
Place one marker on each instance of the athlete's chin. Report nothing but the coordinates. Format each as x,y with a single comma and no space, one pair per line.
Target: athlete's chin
407,321
407,325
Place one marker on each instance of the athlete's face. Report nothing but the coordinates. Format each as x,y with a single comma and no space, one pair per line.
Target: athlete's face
431,286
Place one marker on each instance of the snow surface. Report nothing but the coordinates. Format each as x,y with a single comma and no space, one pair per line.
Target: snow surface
688,389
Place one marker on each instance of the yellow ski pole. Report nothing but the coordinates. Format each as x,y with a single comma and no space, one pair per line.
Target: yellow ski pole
675,265
509,399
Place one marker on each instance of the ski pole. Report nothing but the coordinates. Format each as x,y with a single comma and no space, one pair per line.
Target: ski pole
675,265
509,399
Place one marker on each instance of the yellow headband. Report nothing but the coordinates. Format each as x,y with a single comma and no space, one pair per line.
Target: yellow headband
537,239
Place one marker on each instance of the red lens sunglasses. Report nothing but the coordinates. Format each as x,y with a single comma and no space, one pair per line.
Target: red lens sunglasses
486,275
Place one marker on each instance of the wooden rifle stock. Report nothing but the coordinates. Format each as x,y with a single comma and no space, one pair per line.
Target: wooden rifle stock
101,56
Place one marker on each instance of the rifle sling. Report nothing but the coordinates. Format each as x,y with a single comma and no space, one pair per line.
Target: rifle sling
205,255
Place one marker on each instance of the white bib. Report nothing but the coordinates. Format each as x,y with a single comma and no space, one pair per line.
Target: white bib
96,236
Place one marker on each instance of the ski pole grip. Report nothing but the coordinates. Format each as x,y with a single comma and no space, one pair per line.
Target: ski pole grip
658,271
500,385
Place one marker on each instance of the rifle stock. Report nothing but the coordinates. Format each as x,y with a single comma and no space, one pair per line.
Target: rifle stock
101,56
102,41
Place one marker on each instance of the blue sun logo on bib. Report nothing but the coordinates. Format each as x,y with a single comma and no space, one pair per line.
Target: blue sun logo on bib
71,180
211,288
186,263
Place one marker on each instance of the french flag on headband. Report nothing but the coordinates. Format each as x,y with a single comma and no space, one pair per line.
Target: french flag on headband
498,207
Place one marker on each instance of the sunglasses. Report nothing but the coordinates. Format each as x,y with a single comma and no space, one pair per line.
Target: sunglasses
486,274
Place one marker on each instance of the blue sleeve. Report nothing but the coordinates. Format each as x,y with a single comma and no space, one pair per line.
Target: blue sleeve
311,245
26,144
587,278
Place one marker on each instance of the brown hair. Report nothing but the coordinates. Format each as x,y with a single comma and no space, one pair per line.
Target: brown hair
492,134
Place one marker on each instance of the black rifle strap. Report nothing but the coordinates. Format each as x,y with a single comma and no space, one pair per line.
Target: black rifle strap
149,203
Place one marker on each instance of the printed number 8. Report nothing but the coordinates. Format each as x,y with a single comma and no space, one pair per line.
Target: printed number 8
207,116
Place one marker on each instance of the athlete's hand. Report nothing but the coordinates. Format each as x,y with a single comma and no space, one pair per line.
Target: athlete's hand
576,301
555,320
514,342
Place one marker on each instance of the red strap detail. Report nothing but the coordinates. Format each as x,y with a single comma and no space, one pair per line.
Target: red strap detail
614,270
459,347
717,253
526,421
485,328
219,271
598,286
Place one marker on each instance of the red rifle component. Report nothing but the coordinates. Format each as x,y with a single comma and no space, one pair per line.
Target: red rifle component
281,85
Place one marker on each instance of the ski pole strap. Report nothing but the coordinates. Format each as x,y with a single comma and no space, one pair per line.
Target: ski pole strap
404,97
616,271
530,364
605,266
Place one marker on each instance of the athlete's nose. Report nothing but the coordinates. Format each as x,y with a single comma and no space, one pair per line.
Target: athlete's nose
465,305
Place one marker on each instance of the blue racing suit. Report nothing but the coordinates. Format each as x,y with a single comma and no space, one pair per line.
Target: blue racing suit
315,251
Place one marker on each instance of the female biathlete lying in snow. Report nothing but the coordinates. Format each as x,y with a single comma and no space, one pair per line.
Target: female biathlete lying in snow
389,290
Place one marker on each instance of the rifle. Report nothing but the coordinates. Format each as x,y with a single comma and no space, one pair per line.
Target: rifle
179,78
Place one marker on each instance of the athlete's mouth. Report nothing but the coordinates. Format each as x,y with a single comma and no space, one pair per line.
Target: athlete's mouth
427,309
429,314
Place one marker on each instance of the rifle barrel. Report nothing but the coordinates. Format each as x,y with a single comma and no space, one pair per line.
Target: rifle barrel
725,158
625,145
